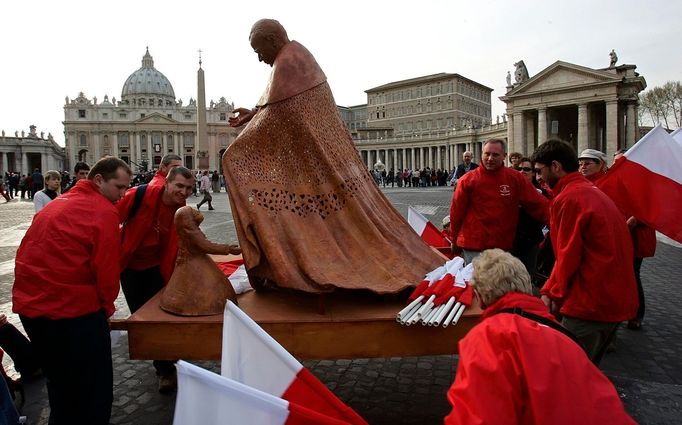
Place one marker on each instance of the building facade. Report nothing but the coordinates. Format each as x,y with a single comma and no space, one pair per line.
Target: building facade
23,153
147,123
589,108
428,121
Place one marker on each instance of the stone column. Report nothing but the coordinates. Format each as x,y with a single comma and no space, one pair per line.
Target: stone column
4,162
510,131
43,163
412,158
611,127
439,164
630,130
395,160
421,158
542,125
96,146
369,159
583,126
516,142
403,165
114,144
24,164
136,151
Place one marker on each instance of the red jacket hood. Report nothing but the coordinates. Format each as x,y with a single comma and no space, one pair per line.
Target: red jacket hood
527,302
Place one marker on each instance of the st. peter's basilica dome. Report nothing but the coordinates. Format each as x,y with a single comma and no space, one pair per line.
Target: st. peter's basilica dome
147,83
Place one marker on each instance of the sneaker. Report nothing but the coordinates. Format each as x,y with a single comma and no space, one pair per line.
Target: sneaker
211,208
198,206
168,383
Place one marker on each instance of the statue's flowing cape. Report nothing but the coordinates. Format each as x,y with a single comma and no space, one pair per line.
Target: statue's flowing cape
307,213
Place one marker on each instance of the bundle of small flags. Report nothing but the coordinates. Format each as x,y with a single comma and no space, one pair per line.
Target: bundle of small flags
440,299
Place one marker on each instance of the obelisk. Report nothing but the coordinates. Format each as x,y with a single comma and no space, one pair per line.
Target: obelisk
202,131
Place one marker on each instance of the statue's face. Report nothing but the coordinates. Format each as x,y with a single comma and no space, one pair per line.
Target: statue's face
265,47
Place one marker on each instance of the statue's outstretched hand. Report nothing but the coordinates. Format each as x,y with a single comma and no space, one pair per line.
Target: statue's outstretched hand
243,116
234,249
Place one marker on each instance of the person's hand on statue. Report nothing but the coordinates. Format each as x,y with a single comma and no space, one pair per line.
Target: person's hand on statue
243,116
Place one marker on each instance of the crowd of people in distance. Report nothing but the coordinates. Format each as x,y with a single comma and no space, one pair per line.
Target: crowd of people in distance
426,177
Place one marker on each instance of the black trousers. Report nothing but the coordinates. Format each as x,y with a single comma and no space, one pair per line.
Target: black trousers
640,288
19,349
139,286
75,355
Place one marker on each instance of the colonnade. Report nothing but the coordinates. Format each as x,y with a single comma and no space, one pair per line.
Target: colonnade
437,156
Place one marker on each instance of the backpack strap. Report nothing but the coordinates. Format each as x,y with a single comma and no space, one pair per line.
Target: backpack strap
137,201
543,321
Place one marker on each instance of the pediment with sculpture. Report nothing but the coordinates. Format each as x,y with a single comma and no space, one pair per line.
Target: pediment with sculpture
563,75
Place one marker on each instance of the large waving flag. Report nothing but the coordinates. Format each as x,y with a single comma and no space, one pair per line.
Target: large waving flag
424,228
254,358
647,182
207,398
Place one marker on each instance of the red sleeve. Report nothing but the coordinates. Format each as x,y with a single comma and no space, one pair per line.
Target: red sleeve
458,208
487,386
567,229
532,201
105,247
125,204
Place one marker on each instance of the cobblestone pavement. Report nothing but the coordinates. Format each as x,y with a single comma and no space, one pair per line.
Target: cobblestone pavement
645,366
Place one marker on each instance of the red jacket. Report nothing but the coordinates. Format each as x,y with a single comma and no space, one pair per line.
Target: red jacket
63,265
135,230
485,208
512,370
593,277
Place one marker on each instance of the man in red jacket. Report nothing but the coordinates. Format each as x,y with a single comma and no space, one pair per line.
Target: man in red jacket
149,247
64,291
592,284
519,366
485,207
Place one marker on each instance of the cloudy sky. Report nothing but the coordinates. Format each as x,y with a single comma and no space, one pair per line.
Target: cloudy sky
52,49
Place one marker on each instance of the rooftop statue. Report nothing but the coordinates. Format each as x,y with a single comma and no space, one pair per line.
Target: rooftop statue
307,213
613,57
521,73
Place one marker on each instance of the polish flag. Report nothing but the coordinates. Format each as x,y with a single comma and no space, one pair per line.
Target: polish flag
647,182
252,357
207,398
427,230
236,273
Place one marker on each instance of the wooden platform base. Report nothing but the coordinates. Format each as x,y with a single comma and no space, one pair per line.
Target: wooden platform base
351,326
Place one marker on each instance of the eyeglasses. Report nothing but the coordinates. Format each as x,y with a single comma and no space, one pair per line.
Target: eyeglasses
526,169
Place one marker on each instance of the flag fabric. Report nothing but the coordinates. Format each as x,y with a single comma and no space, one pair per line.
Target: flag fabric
427,230
254,358
236,273
207,398
647,182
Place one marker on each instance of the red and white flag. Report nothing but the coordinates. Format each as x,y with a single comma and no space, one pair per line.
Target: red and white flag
647,182
427,230
207,398
254,358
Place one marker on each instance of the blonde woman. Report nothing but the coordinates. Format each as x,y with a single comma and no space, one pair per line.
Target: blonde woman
53,184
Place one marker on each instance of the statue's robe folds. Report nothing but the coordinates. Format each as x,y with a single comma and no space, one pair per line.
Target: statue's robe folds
307,213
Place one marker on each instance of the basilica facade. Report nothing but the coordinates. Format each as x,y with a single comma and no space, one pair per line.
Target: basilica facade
148,122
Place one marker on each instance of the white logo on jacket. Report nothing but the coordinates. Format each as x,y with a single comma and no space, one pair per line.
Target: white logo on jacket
505,190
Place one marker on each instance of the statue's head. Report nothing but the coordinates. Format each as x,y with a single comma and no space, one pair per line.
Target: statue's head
267,38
